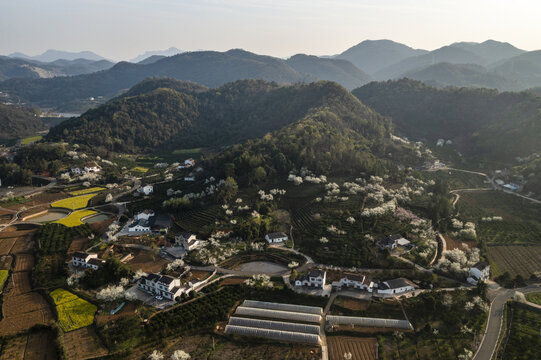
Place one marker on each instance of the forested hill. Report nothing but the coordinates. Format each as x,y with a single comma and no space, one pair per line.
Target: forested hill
480,122
194,117
209,68
17,122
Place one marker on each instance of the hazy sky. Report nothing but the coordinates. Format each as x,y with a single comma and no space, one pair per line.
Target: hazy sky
122,29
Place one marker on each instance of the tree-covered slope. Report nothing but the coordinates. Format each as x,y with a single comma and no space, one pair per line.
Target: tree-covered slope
17,122
468,75
338,70
233,113
481,122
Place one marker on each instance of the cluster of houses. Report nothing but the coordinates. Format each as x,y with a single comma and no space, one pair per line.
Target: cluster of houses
188,241
146,189
88,168
316,278
188,163
148,222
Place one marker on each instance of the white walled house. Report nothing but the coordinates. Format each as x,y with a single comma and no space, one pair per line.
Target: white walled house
148,222
146,214
395,286
86,260
355,281
188,241
161,285
479,272
314,278
92,168
147,190
277,237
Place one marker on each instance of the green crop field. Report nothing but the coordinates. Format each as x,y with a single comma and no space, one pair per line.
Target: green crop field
534,298
74,203
31,139
73,312
524,342
457,179
3,277
87,191
74,219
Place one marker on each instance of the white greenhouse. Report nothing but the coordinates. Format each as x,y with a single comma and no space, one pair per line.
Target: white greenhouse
369,322
278,314
284,307
275,325
288,336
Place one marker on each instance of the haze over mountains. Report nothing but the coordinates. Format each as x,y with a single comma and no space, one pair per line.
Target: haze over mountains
489,64
52,55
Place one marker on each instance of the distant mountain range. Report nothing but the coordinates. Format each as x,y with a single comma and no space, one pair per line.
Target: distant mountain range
16,67
209,68
52,55
490,64
161,53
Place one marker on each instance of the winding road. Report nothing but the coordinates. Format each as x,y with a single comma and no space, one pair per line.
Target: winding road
499,298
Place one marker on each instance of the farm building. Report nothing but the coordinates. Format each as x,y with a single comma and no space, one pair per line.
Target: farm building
285,307
333,320
315,278
479,272
86,260
288,336
395,286
277,314
275,325
92,168
277,237
295,328
355,281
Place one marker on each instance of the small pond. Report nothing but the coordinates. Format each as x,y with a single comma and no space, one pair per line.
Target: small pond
96,218
50,215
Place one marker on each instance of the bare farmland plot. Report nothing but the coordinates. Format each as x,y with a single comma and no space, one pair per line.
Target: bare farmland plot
360,348
516,259
83,343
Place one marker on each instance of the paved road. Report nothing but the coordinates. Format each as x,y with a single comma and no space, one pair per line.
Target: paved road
495,319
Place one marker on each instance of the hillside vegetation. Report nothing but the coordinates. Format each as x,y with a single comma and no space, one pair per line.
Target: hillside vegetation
17,122
233,113
481,123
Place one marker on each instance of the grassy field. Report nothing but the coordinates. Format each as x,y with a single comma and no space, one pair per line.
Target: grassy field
183,154
74,219
140,169
524,342
87,191
3,277
74,203
31,139
534,298
73,312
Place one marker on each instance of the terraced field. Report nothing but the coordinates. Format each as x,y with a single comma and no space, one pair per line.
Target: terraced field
87,191
74,203
73,312
194,220
74,219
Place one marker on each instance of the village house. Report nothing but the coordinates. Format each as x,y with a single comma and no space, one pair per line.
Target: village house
395,286
148,222
479,272
277,237
355,281
91,167
86,260
147,189
189,178
188,163
161,285
392,241
314,278
188,241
